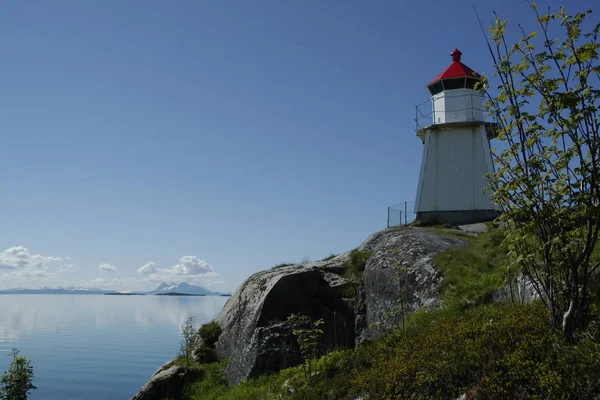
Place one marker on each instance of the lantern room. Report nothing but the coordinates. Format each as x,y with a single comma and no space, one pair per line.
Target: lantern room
453,94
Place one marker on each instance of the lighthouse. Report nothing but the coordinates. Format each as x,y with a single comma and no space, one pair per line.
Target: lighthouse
456,153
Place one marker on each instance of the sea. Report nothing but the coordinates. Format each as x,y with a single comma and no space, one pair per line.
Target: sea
96,347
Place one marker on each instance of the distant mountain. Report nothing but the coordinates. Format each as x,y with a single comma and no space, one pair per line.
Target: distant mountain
182,288
57,290
171,289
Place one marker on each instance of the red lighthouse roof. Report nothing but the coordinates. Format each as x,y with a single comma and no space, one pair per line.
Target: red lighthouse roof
453,75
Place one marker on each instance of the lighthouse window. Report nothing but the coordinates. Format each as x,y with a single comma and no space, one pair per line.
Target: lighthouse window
471,83
455,83
435,88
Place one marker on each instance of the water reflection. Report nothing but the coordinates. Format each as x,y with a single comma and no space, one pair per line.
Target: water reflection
96,347
176,310
22,314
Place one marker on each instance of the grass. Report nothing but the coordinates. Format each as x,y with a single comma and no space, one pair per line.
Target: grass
489,352
330,257
472,273
281,265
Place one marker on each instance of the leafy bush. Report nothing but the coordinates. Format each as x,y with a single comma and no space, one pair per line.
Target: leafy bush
490,352
209,333
206,355
17,381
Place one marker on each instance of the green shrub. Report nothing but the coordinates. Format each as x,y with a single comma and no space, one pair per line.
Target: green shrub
493,352
356,262
17,381
209,333
206,355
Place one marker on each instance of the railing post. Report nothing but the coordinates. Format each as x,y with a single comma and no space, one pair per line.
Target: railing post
416,118
388,218
405,214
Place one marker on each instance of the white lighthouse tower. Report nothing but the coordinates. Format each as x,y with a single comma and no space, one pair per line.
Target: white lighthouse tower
456,154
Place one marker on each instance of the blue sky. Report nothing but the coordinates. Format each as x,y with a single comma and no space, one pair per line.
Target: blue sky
212,139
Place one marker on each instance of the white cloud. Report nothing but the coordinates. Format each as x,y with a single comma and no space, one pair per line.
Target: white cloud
112,283
191,265
148,268
106,267
65,268
20,258
190,269
20,268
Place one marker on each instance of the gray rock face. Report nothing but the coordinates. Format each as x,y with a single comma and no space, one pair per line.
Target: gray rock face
167,382
255,341
399,274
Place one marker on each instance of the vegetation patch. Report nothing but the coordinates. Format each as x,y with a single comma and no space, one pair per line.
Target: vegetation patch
281,265
330,257
355,266
209,335
472,273
491,352
488,352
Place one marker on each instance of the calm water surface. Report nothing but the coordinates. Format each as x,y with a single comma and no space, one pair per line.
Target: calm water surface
92,347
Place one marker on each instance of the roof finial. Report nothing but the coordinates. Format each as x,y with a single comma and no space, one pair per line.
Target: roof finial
456,55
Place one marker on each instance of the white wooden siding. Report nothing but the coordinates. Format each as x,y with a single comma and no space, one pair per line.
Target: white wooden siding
452,177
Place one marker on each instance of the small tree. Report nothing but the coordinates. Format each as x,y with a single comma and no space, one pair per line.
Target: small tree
547,183
188,340
17,381
307,337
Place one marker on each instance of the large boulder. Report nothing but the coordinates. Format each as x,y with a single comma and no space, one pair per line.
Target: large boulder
399,276
254,338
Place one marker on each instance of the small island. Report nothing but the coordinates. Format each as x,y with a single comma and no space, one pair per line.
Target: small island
178,294
123,294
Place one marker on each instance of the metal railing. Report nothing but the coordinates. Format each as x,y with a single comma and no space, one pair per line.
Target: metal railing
425,114
401,214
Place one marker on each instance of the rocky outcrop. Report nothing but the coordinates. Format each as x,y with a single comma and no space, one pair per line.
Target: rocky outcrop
166,383
254,338
399,275
255,341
